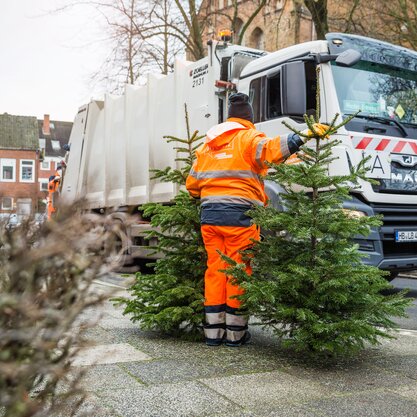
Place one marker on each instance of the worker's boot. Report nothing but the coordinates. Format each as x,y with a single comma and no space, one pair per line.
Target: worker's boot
237,333
214,329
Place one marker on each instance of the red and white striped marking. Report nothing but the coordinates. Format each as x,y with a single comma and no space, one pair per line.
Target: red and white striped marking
370,143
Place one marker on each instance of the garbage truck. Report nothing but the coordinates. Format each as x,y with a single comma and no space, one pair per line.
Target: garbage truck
115,142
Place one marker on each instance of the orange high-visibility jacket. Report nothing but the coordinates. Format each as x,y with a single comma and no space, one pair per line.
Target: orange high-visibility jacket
227,174
53,190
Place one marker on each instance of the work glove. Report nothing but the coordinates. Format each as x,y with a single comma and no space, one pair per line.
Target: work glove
295,141
319,128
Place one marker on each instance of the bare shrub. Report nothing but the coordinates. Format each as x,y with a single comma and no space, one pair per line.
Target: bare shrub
45,277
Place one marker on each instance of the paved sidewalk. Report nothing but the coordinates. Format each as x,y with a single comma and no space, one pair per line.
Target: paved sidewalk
133,373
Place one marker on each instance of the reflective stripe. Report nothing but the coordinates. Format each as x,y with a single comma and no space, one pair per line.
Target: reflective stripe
230,199
236,324
236,320
284,146
222,128
235,336
258,154
232,173
216,318
193,173
214,333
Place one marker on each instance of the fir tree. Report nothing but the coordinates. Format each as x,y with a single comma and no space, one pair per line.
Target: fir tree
171,299
309,282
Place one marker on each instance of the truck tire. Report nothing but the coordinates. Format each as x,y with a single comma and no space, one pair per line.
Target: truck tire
118,245
392,275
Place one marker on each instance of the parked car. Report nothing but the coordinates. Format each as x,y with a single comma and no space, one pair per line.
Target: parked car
9,220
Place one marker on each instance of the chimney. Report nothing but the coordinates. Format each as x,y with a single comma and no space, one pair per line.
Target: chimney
46,130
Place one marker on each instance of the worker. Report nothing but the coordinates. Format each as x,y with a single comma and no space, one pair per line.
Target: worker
227,176
53,189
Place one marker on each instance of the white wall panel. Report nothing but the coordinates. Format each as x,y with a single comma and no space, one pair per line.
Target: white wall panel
137,144
94,170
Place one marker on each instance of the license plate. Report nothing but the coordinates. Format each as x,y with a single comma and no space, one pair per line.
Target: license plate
406,236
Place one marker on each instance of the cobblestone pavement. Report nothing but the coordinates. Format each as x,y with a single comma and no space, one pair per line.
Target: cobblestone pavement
134,373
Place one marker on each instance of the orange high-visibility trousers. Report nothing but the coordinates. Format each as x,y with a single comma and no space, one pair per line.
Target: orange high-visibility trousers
53,187
229,240
51,210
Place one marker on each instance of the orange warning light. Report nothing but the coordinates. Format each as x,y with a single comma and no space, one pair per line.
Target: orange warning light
225,35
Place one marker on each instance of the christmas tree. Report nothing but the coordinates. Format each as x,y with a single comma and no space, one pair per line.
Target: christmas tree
309,282
171,298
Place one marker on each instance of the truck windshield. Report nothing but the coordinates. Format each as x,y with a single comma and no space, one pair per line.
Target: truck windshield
377,90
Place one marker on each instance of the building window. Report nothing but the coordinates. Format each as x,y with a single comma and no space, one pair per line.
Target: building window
7,203
56,146
238,29
43,185
27,172
257,39
8,170
45,165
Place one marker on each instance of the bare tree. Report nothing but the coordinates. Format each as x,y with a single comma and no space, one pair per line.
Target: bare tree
125,60
145,36
318,10
149,35
398,21
233,17
390,20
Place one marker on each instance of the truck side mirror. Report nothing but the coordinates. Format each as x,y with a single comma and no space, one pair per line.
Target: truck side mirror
348,58
293,89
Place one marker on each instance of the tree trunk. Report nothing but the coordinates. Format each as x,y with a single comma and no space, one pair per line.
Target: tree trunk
166,46
318,10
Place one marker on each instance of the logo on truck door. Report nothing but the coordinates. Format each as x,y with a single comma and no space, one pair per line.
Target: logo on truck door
197,75
405,160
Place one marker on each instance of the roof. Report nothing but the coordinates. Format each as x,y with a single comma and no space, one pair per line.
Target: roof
59,136
18,132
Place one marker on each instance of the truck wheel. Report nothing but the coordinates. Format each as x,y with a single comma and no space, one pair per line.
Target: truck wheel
118,246
392,275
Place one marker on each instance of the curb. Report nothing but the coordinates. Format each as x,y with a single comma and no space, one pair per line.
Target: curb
409,276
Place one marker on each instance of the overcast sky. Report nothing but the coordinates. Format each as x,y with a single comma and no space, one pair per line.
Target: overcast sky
46,59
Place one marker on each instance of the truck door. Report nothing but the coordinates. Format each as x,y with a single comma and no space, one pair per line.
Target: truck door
273,102
76,142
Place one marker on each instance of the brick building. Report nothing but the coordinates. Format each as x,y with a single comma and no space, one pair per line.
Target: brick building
53,136
280,24
30,151
283,23
19,158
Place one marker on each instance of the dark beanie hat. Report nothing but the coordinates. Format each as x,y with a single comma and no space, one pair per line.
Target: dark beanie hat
239,106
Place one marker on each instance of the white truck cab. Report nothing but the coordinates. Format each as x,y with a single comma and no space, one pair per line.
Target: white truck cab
115,142
383,86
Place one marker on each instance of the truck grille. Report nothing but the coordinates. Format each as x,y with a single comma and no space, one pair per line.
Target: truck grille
402,181
397,217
